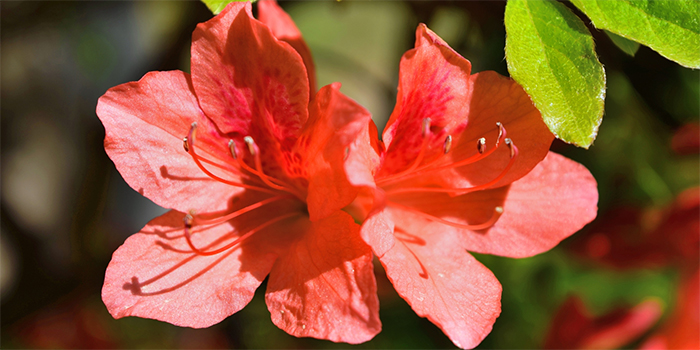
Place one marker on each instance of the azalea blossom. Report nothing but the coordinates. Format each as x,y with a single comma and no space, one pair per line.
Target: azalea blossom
252,168
463,166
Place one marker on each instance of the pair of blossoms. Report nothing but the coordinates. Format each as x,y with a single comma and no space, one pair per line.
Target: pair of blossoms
275,178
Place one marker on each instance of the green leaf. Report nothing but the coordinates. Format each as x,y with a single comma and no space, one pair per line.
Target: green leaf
217,6
628,46
551,54
669,27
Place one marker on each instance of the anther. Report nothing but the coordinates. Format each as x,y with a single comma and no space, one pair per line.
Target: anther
499,210
500,129
232,149
425,128
509,143
347,153
448,143
186,145
189,220
251,144
481,145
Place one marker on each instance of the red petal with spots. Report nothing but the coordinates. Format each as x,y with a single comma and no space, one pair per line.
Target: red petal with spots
155,274
145,122
442,282
284,29
334,123
248,82
433,83
323,286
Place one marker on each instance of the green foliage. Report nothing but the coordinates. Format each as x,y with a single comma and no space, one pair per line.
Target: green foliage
670,27
217,6
551,54
627,46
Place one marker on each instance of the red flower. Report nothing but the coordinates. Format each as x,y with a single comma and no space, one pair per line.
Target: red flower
647,238
573,327
680,331
256,190
446,182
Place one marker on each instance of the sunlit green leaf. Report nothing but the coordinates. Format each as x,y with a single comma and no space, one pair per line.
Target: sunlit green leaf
551,54
627,46
217,6
670,27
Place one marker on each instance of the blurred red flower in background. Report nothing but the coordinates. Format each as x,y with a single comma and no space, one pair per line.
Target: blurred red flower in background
629,238
573,327
448,178
257,189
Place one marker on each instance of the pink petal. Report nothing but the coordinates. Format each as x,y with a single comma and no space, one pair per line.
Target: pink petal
555,200
378,231
145,123
549,204
155,274
324,285
495,98
334,123
247,81
284,29
442,282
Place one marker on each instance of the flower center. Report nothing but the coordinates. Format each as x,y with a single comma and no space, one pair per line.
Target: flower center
392,183
255,180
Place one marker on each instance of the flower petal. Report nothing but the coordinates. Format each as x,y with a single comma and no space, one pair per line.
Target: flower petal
555,200
283,28
155,274
145,123
433,83
495,98
442,282
324,286
247,81
334,123
549,204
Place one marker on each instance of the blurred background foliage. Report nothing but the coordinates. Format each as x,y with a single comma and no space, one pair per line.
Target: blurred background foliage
65,209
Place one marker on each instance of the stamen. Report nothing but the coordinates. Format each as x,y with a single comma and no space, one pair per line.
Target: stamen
185,145
198,160
252,147
448,144
425,127
234,214
497,212
425,169
254,151
425,133
232,149
465,190
238,240
347,153
481,145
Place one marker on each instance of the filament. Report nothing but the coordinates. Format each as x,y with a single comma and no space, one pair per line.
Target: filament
482,153
239,240
189,145
236,213
464,190
497,212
